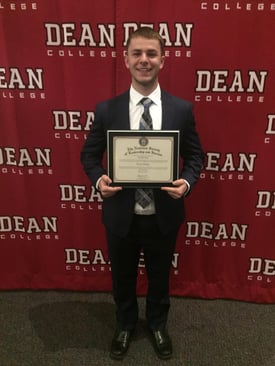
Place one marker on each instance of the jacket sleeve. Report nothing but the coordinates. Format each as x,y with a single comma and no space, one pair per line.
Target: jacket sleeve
191,149
92,154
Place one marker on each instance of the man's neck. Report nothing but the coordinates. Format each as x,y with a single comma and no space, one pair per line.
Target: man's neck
144,90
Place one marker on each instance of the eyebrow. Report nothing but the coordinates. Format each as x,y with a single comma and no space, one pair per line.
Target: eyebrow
147,50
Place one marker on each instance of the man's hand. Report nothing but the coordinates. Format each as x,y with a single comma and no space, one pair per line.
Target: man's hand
178,189
105,189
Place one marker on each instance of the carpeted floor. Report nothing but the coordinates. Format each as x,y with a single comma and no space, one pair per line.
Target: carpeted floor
59,328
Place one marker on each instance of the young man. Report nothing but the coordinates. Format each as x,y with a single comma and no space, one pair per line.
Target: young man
132,226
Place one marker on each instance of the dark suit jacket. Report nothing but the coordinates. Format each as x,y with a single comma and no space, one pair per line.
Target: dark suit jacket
117,211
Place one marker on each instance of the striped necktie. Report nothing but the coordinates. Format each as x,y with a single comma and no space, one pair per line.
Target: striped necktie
145,196
145,122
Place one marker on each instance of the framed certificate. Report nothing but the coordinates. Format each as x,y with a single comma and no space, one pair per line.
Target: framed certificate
147,158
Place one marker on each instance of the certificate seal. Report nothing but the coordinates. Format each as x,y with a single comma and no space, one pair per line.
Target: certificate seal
143,141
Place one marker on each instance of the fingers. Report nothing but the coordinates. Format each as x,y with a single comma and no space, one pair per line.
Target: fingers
177,190
105,189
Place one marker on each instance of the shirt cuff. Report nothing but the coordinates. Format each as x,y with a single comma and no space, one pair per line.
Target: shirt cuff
188,187
97,184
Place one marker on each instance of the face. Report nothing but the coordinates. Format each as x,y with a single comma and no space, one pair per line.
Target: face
144,60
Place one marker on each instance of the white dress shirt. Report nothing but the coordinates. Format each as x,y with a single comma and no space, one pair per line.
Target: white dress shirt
136,108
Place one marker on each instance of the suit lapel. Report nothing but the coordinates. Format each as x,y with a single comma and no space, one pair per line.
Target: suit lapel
123,119
167,111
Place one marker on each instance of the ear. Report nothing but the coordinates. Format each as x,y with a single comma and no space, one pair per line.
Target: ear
126,60
162,62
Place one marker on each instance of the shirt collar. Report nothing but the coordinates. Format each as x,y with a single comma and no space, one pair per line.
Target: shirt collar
136,97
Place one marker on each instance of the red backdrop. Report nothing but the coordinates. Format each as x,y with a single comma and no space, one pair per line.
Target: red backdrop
57,60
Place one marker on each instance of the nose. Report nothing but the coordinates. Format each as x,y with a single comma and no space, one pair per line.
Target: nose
143,57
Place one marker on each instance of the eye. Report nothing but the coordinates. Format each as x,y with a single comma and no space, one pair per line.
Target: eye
136,53
151,54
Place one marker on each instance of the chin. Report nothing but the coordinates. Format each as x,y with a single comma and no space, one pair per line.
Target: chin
145,81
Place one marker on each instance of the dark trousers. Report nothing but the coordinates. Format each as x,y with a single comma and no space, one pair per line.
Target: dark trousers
124,254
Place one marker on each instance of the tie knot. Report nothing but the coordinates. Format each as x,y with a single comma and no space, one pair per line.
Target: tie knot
146,102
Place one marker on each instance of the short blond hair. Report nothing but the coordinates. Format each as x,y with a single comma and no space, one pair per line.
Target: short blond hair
149,33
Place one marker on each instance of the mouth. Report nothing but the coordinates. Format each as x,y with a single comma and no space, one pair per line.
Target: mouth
144,69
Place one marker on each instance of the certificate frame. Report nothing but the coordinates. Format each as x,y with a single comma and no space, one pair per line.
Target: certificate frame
143,158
